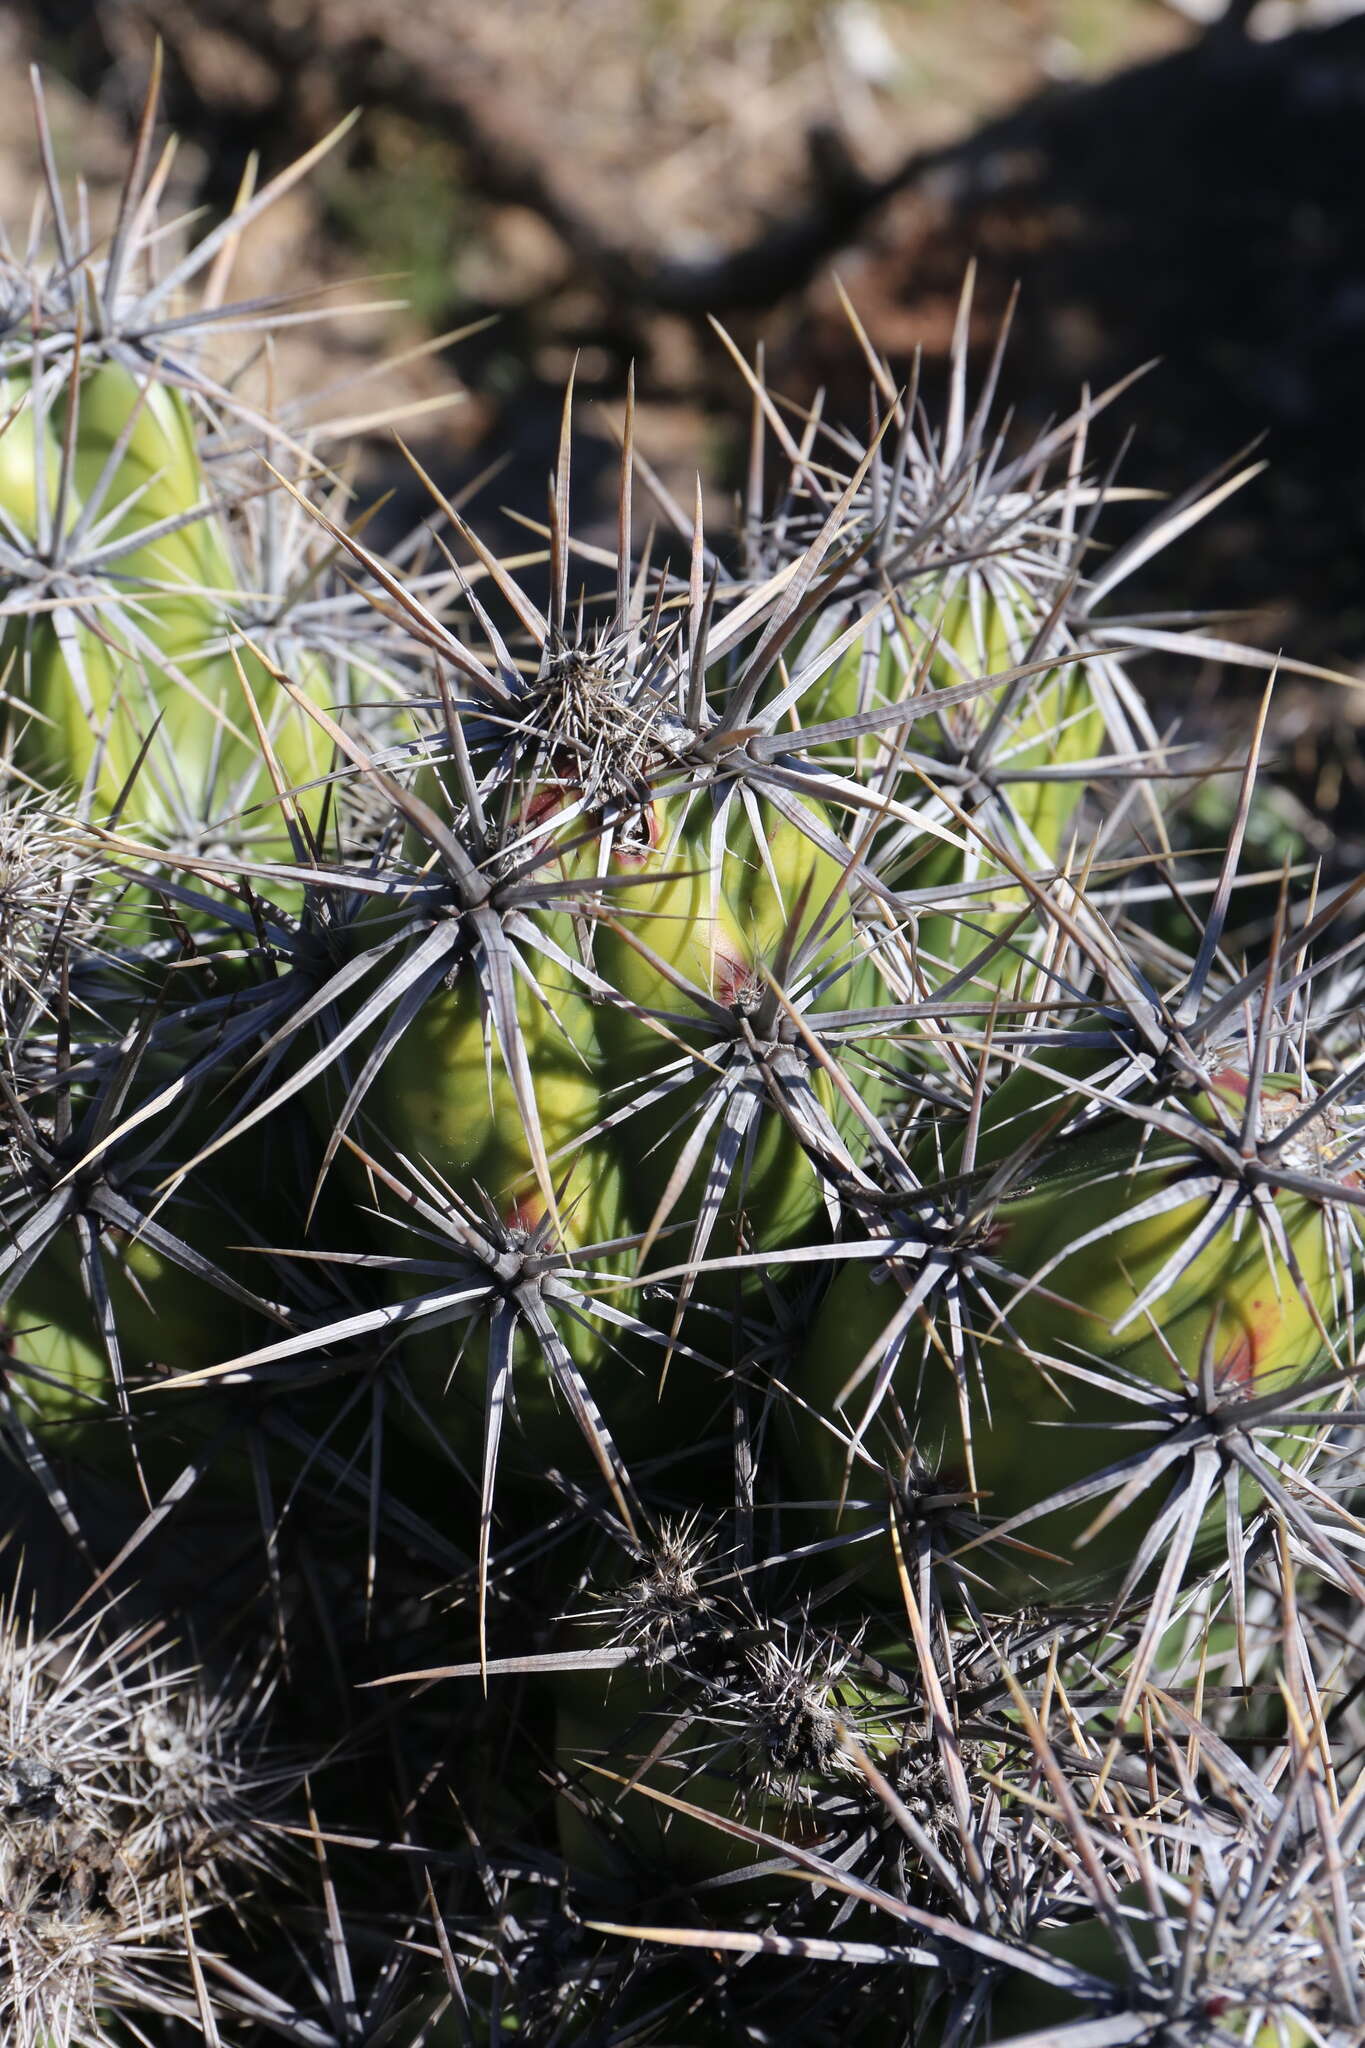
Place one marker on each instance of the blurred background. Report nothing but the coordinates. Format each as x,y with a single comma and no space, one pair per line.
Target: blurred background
1175,181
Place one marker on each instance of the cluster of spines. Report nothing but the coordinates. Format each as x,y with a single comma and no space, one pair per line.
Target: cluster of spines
531,1079
135,1800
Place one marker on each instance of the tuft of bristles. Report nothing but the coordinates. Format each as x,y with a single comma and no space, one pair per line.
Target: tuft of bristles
133,1803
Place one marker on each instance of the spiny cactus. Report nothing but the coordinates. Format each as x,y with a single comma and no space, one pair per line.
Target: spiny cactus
684,1162
133,1803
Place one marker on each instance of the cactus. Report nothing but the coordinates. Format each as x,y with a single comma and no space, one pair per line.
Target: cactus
687,1219
134,1802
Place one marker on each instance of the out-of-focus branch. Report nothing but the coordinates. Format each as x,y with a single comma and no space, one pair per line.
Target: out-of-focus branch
324,56
334,53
